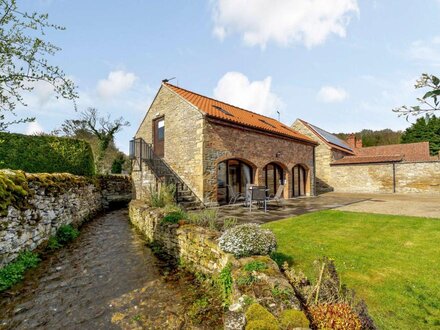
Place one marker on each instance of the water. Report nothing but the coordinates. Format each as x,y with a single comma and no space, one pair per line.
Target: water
106,279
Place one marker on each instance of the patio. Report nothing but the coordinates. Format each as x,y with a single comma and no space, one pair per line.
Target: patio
288,208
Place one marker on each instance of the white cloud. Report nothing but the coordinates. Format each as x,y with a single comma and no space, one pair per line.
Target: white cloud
235,88
426,51
34,128
116,83
284,22
330,94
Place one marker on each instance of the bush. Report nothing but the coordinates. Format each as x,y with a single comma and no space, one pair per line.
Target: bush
64,235
338,316
46,154
258,317
173,217
248,240
13,272
291,318
205,218
162,197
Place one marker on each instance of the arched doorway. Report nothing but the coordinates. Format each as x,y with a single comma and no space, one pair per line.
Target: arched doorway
273,177
233,173
299,179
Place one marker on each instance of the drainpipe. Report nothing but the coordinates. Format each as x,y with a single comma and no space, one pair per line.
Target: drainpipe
314,172
394,177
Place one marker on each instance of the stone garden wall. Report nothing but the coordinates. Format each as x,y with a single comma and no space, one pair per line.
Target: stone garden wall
195,246
407,177
34,206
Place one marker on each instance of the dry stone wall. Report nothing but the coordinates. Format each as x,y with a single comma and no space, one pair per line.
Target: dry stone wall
53,200
195,246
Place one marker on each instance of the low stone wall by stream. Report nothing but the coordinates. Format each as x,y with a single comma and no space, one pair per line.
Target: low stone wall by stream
198,248
195,246
34,206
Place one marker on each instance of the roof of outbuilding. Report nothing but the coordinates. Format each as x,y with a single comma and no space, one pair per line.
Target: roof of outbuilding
367,159
409,151
229,113
328,138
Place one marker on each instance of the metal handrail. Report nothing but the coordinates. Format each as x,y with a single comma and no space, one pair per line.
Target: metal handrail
143,151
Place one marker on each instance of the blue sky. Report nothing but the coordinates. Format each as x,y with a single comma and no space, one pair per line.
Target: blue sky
339,64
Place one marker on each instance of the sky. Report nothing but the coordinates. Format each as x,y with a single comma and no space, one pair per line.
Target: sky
342,65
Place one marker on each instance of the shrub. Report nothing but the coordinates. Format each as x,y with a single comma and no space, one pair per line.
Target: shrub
46,154
161,197
291,318
13,272
205,218
258,317
174,216
64,235
255,265
338,316
247,240
229,222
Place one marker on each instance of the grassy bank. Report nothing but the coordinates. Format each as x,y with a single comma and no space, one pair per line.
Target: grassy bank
391,261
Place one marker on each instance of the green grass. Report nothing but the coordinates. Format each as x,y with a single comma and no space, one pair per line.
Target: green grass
393,262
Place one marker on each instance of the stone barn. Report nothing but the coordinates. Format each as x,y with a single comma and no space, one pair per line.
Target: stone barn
213,149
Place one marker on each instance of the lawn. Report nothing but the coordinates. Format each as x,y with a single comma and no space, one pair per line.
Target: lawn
393,262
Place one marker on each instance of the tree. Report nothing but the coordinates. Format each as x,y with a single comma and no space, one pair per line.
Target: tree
23,59
100,133
372,138
429,103
424,129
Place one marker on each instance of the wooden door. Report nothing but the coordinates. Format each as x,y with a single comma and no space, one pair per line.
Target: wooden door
159,136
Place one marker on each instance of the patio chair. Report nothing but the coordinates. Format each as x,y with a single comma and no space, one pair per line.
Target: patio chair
278,196
248,194
233,195
258,194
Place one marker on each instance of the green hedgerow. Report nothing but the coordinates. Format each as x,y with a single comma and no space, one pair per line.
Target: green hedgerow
46,154
14,271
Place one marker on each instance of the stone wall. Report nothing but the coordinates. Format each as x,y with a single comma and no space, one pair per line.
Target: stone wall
324,155
183,138
52,200
410,177
257,149
420,177
195,246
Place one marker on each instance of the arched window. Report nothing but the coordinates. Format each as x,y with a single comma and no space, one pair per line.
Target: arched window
273,177
232,177
299,179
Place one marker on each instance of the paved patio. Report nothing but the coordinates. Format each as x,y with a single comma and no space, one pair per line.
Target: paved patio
412,205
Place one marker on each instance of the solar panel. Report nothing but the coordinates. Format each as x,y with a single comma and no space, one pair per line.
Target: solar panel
331,138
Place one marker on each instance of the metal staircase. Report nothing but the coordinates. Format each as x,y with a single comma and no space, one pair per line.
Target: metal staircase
142,154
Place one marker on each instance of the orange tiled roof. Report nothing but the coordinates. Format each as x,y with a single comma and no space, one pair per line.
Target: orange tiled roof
367,159
409,151
226,112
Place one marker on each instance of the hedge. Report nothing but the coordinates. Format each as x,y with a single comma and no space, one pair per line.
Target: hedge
45,154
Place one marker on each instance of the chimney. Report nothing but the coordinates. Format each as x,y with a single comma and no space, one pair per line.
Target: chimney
358,143
351,140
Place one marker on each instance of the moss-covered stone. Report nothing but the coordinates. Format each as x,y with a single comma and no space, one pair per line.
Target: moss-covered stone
256,312
291,318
